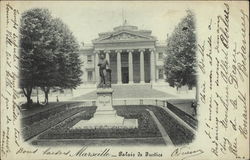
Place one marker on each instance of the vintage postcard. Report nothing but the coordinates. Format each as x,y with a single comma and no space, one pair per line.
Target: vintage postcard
127,80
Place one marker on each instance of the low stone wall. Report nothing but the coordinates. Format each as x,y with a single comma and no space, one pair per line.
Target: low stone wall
129,101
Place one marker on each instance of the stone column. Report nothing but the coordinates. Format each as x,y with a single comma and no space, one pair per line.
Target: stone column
130,66
119,67
97,76
152,65
107,52
142,79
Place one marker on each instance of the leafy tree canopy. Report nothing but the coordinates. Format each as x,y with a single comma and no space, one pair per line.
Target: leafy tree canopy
48,53
180,62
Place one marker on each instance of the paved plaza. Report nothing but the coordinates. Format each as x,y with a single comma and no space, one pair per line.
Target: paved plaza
129,91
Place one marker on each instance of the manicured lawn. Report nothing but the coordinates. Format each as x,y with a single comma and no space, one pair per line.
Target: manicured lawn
55,123
183,115
35,108
146,126
37,126
177,133
183,105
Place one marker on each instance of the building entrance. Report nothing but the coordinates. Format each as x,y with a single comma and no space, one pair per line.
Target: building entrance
125,75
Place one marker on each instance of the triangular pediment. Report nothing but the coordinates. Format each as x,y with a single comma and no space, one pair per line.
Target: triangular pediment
123,36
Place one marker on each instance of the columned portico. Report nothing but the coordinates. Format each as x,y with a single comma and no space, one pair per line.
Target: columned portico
135,57
130,53
128,68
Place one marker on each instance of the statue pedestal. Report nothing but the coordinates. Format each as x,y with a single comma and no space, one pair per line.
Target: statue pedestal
105,115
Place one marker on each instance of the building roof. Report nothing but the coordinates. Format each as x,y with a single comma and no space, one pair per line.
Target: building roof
125,33
131,35
86,46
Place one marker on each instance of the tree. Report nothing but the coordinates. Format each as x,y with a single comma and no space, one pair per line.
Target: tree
35,39
69,64
180,62
49,53
66,60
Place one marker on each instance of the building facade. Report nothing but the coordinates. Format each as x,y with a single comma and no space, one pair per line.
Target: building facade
134,57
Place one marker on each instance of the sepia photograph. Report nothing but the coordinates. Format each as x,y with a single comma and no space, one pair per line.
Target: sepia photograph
113,79
124,87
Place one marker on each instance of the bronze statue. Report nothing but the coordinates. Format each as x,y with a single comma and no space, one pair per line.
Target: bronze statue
104,72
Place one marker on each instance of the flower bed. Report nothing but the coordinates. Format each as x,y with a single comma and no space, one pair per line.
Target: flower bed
37,127
177,133
146,127
184,116
27,121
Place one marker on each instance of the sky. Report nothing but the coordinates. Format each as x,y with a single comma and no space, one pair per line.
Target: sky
87,19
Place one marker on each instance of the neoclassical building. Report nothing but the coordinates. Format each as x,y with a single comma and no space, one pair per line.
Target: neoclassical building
134,55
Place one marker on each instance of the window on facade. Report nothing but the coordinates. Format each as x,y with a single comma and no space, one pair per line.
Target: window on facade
89,58
90,75
160,73
160,56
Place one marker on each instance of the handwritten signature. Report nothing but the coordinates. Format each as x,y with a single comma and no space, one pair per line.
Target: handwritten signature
186,153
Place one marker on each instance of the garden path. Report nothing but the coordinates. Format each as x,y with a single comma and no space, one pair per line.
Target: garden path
164,134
